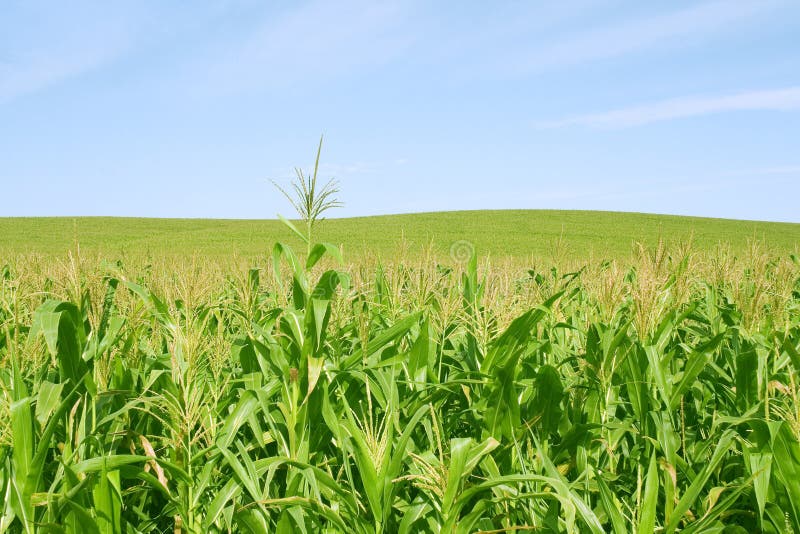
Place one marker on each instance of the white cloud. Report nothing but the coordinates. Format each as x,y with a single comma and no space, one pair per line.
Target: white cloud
674,28
338,170
778,170
47,44
308,44
37,71
786,99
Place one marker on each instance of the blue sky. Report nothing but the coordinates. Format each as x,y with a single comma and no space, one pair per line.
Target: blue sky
177,109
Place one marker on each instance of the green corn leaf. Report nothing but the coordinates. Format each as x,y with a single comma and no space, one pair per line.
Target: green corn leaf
618,523
290,225
319,250
691,495
649,507
47,400
247,403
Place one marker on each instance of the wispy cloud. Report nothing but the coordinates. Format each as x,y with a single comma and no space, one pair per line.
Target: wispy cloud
339,170
45,44
786,99
310,43
673,28
37,71
778,170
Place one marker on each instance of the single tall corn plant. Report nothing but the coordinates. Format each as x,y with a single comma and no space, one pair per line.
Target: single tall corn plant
309,200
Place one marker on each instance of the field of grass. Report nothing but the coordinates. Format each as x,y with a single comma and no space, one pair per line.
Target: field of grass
522,234
152,384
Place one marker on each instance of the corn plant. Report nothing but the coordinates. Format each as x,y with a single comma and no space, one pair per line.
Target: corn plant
406,400
310,200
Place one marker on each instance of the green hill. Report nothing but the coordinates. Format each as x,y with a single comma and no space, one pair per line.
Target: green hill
520,234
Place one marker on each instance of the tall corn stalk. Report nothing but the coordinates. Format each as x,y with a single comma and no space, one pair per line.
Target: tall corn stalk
310,200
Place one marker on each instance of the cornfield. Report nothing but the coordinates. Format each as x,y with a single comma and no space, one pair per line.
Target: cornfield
303,395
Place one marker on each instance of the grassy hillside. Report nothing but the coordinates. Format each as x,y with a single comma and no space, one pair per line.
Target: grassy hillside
519,234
